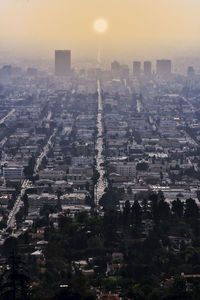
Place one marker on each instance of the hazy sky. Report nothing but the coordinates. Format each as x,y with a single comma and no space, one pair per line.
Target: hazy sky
137,28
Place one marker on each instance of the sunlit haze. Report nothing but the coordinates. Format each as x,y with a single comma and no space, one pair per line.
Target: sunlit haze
99,149
100,25
137,28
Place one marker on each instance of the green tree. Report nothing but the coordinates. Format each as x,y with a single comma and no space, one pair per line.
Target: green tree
191,210
126,213
179,286
59,194
136,214
110,199
135,292
177,208
143,166
14,281
129,190
163,210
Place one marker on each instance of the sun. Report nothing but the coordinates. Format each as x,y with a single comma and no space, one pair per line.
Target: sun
100,25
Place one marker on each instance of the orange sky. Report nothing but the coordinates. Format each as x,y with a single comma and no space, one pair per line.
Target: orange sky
140,28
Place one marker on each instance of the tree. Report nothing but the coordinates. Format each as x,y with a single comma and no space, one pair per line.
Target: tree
143,166
47,209
136,214
129,190
164,210
177,208
110,198
135,292
44,162
10,245
159,207
154,208
89,201
179,286
191,210
95,176
87,186
29,170
14,283
198,195
126,213
59,194
64,223
192,255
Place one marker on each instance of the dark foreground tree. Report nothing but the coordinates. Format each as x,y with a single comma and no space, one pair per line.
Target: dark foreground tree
177,208
14,281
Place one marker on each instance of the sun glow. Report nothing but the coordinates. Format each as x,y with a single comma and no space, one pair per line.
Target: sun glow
100,25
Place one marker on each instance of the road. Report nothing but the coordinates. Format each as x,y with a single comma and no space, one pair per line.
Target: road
189,103
101,183
17,205
49,116
44,152
5,117
138,105
3,141
25,184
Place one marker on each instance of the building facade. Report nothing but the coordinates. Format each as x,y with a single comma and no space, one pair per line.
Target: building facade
163,67
136,68
62,62
147,68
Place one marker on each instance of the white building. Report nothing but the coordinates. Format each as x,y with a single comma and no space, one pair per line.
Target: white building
13,172
127,169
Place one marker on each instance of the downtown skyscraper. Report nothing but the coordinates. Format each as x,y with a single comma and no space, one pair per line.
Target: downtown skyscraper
62,62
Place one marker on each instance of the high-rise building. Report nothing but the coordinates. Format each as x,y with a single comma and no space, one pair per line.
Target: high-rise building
115,69
7,70
136,68
163,68
124,71
147,68
62,62
190,71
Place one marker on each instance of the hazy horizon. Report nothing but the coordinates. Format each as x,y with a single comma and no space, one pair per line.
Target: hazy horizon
137,28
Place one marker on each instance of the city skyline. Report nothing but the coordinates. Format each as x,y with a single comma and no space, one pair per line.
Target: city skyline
144,28
99,149
62,62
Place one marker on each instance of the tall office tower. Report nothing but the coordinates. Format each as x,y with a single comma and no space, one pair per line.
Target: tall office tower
115,69
62,62
163,68
136,68
190,71
147,68
124,71
7,70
